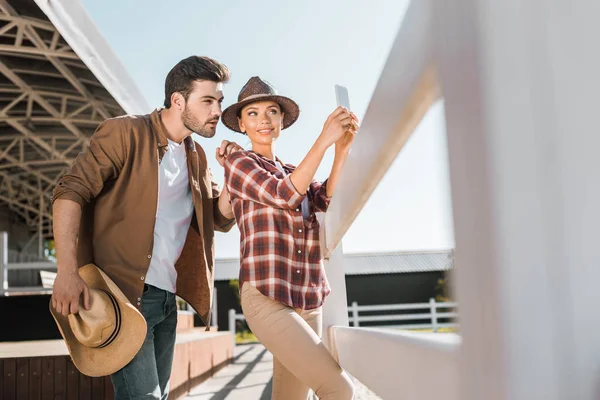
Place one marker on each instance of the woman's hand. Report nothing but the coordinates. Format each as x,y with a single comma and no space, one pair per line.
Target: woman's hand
337,124
343,145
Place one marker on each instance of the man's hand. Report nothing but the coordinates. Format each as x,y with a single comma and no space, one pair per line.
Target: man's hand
67,290
225,150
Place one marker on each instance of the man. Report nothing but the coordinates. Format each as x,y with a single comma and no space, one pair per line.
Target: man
140,204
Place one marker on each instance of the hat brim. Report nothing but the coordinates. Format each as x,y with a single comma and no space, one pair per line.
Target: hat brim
107,360
290,110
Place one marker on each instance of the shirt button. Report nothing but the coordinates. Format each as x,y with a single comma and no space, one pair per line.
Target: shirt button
149,255
298,271
139,299
297,209
139,303
300,230
142,278
299,251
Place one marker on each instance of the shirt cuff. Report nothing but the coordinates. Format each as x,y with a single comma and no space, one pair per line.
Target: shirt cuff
290,192
68,194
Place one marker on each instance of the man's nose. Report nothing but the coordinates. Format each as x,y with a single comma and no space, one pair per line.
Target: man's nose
218,110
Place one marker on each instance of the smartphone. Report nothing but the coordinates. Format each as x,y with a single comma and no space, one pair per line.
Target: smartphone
341,96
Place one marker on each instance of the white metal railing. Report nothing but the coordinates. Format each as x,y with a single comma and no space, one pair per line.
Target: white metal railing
432,315
48,275
520,87
393,364
428,320
5,266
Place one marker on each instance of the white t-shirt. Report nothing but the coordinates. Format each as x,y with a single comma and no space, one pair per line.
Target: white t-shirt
173,217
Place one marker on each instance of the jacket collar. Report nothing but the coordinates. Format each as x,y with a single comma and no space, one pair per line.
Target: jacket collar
160,131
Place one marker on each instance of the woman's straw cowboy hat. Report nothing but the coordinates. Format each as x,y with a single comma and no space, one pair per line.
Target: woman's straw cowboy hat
255,90
105,338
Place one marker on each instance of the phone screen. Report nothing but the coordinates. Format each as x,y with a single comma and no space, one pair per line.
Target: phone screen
341,95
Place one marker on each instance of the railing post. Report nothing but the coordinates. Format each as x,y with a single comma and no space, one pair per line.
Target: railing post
214,310
41,225
335,309
434,320
355,321
3,263
232,324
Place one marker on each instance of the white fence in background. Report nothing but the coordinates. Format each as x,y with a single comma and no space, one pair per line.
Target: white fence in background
432,315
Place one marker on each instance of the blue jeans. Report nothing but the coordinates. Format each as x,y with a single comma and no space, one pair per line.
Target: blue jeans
147,375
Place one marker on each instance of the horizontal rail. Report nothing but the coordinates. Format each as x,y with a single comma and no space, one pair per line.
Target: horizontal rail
416,326
25,290
403,317
31,265
447,315
406,89
401,307
400,364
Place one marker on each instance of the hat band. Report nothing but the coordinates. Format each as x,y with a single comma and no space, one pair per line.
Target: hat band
257,96
115,332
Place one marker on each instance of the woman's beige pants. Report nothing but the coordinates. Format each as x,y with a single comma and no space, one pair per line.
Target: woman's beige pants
300,360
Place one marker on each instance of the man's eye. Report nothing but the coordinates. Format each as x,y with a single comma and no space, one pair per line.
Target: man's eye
208,101
252,113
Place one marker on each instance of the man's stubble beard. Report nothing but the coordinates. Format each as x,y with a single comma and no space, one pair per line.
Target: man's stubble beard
192,123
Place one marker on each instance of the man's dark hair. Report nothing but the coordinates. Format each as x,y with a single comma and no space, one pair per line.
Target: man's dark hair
194,68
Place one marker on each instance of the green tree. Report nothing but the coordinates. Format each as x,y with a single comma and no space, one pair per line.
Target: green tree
234,284
443,290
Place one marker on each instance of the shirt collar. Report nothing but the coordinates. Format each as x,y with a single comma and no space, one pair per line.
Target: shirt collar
269,160
160,130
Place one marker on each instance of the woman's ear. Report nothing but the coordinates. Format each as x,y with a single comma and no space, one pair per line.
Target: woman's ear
282,119
242,126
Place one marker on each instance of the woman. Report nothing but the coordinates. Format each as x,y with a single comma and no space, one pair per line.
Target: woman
282,278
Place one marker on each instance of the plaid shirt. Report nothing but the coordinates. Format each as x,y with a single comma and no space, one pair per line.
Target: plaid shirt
280,250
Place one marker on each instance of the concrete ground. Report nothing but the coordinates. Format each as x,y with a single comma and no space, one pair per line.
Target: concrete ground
249,377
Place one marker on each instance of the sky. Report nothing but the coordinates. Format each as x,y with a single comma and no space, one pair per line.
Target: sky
303,49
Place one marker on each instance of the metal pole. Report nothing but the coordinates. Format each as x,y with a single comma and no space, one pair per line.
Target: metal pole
434,320
214,310
335,309
3,263
41,226
355,321
232,324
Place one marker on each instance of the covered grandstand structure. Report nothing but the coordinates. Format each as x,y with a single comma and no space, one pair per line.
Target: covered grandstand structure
58,80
